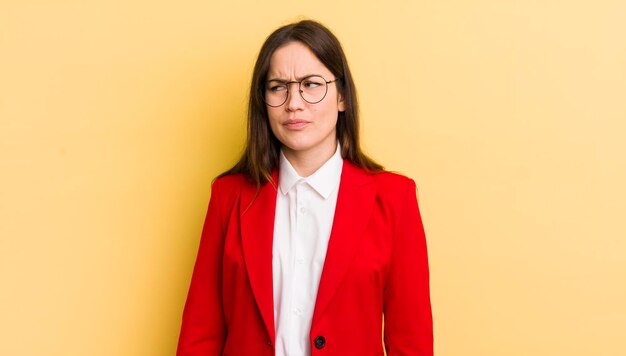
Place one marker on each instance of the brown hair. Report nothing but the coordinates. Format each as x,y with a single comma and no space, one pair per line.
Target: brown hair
262,151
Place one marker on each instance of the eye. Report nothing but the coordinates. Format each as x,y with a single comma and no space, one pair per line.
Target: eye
276,86
311,83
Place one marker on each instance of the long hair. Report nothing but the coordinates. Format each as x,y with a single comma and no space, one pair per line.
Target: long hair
261,155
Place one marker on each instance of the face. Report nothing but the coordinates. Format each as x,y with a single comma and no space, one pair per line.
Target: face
301,127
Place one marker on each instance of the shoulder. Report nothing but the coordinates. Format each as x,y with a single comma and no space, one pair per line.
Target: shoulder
230,182
226,190
394,186
390,186
392,179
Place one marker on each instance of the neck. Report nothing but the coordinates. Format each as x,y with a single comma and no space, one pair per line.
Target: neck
307,162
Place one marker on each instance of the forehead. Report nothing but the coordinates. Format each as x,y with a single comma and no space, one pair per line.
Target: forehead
295,60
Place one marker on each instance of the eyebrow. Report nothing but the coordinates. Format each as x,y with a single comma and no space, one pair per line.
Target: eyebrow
297,78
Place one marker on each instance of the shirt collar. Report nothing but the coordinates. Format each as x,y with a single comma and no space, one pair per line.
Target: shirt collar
323,181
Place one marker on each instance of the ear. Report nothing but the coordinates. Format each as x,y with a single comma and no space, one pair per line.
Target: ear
341,104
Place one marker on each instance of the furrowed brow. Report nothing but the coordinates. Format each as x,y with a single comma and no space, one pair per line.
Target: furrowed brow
283,80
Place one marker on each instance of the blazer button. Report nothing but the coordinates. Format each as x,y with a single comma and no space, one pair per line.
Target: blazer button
320,342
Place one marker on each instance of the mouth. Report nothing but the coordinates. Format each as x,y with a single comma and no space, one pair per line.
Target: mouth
295,124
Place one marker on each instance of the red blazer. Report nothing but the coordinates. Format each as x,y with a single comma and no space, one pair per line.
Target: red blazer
376,264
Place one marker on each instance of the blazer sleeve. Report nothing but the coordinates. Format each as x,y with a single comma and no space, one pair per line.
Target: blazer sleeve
408,327
203,329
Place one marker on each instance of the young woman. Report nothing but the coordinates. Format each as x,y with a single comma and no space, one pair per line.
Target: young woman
308,244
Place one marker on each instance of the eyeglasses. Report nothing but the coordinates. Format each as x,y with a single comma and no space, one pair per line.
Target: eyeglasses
312,89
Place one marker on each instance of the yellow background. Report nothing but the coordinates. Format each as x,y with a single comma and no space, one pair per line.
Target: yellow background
510,115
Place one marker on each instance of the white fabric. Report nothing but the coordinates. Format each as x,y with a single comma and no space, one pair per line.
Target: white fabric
305,208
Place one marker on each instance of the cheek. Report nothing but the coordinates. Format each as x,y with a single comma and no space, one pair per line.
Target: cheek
328,112
331,105
273,118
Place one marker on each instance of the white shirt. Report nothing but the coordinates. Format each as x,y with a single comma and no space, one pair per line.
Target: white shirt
305,208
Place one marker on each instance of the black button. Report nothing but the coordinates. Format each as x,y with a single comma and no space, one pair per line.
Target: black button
320,342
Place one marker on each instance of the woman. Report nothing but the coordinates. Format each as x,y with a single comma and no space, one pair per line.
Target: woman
307,242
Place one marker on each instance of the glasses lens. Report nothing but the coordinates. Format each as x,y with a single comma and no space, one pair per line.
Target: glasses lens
313,89
275,93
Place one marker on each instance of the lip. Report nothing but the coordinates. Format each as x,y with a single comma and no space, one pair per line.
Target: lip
296,124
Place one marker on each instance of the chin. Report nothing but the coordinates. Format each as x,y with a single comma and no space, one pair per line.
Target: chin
297,146
305,141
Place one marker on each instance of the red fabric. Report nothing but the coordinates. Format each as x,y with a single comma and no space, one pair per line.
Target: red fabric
376,264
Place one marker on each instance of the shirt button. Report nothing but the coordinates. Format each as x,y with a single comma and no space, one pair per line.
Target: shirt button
300,261
302,210
297,311
320,342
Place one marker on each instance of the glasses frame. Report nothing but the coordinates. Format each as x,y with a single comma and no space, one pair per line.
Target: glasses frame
287,84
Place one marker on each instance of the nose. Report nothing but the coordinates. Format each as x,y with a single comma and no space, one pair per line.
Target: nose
294,98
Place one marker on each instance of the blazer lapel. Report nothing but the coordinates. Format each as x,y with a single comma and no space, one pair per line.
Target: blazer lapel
355,202
257,212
